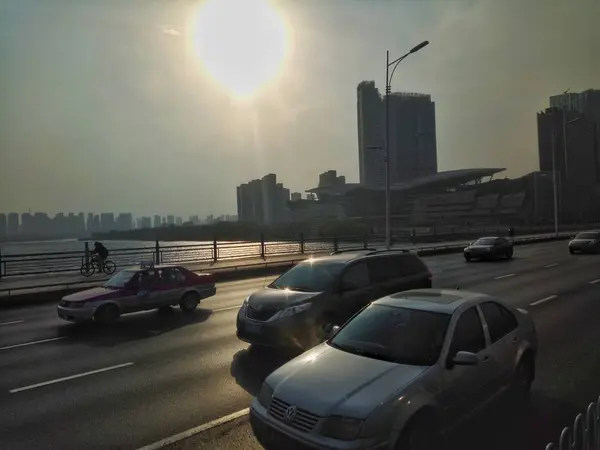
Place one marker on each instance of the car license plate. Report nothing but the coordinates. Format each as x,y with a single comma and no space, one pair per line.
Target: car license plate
253,328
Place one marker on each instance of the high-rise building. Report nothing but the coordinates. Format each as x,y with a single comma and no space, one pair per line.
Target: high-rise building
145,222
179,221
3,226
296,196
195,220
170,220
124,222
12,224
107,222
263,201
371,138
157,221
572,136
412,135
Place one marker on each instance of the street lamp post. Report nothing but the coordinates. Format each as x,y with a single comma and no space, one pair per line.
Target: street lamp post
554,182
388,91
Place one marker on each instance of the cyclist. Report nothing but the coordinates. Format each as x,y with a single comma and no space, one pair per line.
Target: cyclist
100,253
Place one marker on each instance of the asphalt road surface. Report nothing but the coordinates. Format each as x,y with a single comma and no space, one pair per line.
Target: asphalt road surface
153,375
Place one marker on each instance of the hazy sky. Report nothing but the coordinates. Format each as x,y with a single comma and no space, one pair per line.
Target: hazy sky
115,105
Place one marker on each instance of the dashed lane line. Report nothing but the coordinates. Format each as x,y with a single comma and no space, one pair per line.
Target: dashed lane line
12,322
550,265
505,276
26,344
595,281
543,300
71,377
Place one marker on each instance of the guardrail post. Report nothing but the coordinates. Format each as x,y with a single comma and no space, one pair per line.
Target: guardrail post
87,256
157,252
0,263
335,244
215,251
302,243
262,245
366,243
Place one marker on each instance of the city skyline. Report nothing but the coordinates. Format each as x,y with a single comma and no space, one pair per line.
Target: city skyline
138,121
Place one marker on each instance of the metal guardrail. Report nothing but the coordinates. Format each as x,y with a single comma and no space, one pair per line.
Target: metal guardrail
65,262
241,267
585,434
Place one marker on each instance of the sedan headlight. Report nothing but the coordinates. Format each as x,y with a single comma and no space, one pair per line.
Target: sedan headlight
293,310
343,428
265,395
245,302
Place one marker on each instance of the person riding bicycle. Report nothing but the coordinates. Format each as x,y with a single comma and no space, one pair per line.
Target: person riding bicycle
100,252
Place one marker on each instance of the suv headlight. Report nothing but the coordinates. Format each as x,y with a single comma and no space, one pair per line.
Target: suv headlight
245,302
343,428
293,310
265,395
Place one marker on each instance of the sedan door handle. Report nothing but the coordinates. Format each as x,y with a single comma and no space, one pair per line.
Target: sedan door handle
486,358
516,339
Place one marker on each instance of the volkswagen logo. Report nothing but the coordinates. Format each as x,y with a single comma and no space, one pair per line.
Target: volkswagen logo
290,414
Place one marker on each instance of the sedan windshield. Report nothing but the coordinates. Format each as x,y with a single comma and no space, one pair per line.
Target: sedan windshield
309,277
400,335
587,235
485,241
120,280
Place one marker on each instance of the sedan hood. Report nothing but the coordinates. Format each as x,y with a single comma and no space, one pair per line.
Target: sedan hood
582,242
97,293
269,298
327,381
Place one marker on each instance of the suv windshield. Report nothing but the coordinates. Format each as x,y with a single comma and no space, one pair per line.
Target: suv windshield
400,335
120,280
587,235
309,276
485,241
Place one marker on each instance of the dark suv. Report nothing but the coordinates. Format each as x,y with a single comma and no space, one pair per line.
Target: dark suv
300,308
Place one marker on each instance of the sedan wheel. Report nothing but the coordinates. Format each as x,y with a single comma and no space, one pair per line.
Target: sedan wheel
189,302
420,434
107,314
524,376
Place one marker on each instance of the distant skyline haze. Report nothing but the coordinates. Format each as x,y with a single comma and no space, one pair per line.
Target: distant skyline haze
166,106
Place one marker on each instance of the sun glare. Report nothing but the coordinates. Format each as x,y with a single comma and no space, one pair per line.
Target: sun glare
242,44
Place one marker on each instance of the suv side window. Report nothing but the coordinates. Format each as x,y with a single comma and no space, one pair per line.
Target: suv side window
500,321
382,269
356,276
468,334
409,264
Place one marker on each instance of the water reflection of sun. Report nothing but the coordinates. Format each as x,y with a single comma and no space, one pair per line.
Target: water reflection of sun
242,44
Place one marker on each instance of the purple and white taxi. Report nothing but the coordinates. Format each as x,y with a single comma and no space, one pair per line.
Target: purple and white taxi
138,289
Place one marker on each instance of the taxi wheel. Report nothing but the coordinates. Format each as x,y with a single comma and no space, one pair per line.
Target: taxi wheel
189,302
107,314
524,376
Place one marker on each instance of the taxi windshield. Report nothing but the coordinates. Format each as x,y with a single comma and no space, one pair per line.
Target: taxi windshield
120,280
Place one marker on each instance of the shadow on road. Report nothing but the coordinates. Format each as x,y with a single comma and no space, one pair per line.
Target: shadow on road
251,366
509,426
133,327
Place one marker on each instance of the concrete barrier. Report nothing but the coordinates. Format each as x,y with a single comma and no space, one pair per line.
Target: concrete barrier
57,292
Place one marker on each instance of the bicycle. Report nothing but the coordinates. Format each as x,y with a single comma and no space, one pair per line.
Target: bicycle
87,270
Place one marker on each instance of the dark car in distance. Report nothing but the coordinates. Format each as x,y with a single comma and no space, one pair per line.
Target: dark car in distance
488,248
299,309
585,242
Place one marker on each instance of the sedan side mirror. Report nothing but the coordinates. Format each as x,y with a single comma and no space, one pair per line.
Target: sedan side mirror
333,331
465,359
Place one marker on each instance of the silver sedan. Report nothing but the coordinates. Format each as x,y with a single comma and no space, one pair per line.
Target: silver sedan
400,374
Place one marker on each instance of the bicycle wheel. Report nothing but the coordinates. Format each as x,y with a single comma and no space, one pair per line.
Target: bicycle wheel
87,270
109,267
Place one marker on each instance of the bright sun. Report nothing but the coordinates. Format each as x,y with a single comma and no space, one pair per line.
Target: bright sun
241,43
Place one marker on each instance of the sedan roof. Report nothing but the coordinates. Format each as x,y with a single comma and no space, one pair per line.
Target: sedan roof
434,300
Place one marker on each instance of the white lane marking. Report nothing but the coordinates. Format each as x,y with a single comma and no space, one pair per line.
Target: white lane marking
8,347
505,276
595,281
544,300
196,430
550,265
227,309
72,377
13,322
